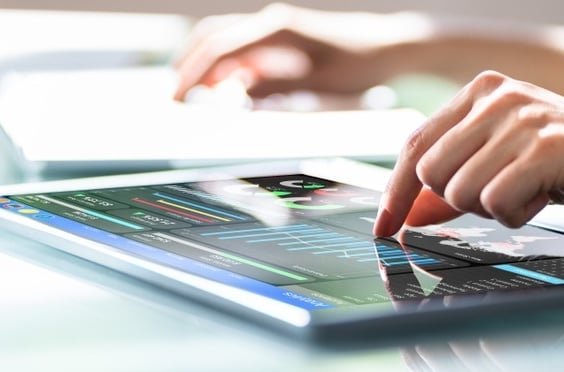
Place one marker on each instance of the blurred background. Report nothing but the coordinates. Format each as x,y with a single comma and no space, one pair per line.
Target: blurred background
546,10
162,39
55,56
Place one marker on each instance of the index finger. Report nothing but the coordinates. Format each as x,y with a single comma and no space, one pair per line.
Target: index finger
404,185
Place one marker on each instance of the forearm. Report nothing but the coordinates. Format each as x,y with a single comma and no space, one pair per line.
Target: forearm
536,57
460,50
349,52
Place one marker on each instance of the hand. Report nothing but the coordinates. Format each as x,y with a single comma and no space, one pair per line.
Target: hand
496,150
284,48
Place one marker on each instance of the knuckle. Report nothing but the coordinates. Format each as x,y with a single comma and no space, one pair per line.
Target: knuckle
415,144
460,199
505,214
488,80
550,142
425,174
416,152
426,170
529,114
497,92
543,143
508,98
413,151
278,9
278,17
508,94
537,116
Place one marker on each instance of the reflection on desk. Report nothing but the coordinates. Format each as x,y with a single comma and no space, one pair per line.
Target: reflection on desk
61,313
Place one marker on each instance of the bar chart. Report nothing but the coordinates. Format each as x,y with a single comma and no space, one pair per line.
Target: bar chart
320,250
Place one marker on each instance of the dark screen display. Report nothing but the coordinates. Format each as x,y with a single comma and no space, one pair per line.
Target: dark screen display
300,239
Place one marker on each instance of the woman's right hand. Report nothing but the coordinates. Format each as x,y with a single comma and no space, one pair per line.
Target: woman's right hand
283,48
495,150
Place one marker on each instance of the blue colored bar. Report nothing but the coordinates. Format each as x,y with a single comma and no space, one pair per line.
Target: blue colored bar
293,237
344,251
530,274
282,228
352,244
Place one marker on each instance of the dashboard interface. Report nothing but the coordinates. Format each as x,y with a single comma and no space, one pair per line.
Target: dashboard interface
299,239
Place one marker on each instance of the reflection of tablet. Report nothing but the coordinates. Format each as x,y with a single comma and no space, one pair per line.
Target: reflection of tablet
289,244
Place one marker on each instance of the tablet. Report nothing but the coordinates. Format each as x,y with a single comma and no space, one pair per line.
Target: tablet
288,245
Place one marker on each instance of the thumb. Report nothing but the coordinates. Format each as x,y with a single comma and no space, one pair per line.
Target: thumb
429,208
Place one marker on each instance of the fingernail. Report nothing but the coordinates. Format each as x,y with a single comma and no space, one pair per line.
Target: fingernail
383,224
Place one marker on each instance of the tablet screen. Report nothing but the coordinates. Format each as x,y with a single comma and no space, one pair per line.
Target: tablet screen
298,239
